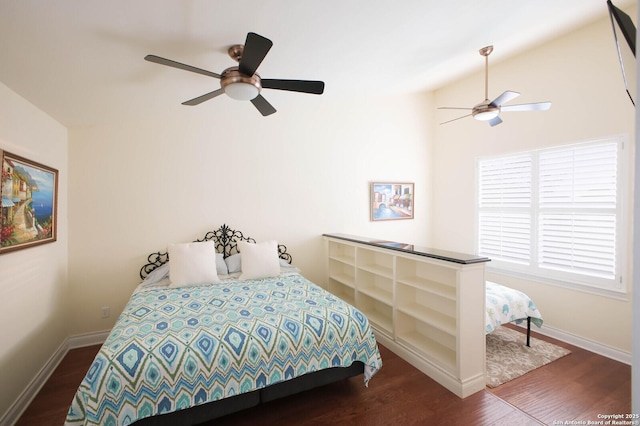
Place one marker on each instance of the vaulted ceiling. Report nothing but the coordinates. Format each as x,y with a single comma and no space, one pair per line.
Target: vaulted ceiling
81,61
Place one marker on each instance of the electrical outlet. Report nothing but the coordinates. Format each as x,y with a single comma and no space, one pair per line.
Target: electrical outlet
105,312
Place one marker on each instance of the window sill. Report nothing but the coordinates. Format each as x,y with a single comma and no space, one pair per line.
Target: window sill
612,294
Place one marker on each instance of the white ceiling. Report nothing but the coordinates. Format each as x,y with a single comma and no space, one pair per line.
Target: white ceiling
81,61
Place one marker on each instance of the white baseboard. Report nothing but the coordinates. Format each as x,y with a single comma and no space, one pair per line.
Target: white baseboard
27,396
581,342
88,339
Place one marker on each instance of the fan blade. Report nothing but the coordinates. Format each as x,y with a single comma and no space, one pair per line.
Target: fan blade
445,122
454,108
170,63
504,98
255,49
538,106
205,97
263,106
304,86
495,121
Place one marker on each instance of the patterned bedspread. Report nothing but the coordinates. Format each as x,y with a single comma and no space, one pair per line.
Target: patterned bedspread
176,348
506,305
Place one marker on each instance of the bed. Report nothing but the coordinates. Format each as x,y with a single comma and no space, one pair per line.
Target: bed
185,354
505,305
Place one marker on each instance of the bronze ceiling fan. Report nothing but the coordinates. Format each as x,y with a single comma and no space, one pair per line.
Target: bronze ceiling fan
241,82
490,110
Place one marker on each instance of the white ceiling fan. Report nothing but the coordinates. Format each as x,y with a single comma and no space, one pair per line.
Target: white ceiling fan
490,110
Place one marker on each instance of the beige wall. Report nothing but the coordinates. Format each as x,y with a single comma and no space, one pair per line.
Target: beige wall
33,282
580,74
292,176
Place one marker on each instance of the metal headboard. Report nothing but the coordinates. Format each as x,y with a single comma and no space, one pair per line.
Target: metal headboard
226,241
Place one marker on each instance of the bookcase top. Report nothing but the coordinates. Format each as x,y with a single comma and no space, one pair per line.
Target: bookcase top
449,256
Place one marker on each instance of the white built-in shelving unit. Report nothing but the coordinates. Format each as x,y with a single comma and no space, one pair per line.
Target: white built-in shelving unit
426,305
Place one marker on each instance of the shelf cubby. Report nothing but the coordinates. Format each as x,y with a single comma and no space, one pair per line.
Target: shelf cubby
344,292
436,310
342,272
376,262
376,286
427,276
342,253
379,313
426,339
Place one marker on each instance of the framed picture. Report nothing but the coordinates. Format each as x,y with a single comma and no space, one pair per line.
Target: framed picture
391,200
29,203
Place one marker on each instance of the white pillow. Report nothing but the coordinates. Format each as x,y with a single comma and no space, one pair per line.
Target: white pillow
221,265
158,274
192,264
259,260
162,272
233,263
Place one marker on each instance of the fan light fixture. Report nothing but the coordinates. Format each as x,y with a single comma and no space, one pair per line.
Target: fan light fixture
239,86
487,114
241,91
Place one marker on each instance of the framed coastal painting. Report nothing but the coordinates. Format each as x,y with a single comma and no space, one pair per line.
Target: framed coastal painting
29,203
391,200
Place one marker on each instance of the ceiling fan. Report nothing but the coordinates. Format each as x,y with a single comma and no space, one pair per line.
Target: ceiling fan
490,110
241,82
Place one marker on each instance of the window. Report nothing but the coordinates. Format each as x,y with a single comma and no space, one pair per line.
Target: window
555,214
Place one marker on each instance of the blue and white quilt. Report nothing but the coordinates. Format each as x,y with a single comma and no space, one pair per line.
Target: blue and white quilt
173,348
505,305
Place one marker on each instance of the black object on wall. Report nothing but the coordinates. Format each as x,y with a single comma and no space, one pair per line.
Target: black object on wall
621,22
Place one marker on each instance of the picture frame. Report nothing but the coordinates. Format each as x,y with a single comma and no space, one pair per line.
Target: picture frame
392,200
29,207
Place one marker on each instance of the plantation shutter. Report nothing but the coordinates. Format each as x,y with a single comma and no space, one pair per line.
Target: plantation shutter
504,219
577,196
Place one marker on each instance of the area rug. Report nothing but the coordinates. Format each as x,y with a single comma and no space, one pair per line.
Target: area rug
508,356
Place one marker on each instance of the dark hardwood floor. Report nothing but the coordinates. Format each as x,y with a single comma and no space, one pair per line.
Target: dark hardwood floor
577,387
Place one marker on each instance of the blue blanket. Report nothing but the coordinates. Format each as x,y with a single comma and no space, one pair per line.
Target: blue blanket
176,348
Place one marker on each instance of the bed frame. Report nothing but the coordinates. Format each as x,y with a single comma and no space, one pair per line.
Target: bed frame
223,407
226,241
528,331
